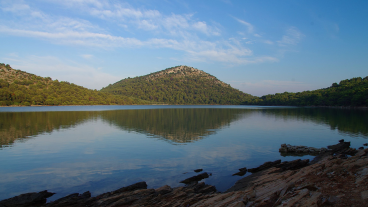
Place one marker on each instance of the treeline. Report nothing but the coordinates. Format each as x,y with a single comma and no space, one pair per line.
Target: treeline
186,86
20,88
349,92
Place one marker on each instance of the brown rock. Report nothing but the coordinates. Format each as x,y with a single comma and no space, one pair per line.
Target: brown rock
364,195
164,190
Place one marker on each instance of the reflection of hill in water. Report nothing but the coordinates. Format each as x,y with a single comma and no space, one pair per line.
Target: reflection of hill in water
348,121
22,125
175,125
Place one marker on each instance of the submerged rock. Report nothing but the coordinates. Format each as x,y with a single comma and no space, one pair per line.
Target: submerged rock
198,170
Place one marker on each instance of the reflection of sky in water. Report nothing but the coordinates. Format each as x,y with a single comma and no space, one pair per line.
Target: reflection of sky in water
100,157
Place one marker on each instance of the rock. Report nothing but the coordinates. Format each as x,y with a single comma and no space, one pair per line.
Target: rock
264,166
341,140
293,165
195,178
242,171
364,195
338,147
164,190
334,149
289,150
366,144
332,200
135,186
362,152
238,204
198,170
27,199
86,194
72,199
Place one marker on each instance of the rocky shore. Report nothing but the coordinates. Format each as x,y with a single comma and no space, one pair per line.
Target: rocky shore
337,176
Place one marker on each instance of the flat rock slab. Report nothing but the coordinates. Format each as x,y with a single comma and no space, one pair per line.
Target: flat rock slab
195,178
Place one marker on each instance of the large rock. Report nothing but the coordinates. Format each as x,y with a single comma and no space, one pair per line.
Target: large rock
290,150
195,178
264,166
293,165
27,199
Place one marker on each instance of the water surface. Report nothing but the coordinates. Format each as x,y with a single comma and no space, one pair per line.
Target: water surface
73,149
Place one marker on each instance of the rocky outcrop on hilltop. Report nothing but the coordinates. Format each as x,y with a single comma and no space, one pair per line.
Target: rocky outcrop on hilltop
332,179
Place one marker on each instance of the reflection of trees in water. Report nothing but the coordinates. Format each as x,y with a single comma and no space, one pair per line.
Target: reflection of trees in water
175,125
349,121
22,125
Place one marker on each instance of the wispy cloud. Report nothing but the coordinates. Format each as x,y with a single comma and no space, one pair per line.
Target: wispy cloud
87,56
64,70
249,25
264,87
181,32
292,37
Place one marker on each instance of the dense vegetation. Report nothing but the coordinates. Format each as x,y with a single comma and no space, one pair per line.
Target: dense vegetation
20,88
179,85
352,92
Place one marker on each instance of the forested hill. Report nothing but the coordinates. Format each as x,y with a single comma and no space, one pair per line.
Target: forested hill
349,92
21,88
179,85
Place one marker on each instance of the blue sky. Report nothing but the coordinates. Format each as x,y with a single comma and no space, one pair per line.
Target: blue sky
259,47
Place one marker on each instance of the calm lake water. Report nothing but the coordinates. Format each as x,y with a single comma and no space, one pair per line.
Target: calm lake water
73,149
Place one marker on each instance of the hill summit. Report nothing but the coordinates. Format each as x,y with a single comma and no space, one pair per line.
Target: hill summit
179,85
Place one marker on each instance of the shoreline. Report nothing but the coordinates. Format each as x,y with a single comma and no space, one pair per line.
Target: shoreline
337,176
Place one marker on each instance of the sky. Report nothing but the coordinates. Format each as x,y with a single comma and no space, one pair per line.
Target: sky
259,47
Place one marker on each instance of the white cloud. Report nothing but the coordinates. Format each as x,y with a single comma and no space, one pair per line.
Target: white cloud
87,56
292,37
64,70
268,42
175,31
147,25
249,25
265,87
257,35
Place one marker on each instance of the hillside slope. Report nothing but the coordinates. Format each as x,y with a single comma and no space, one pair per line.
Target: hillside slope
179,85
349,92
21,88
